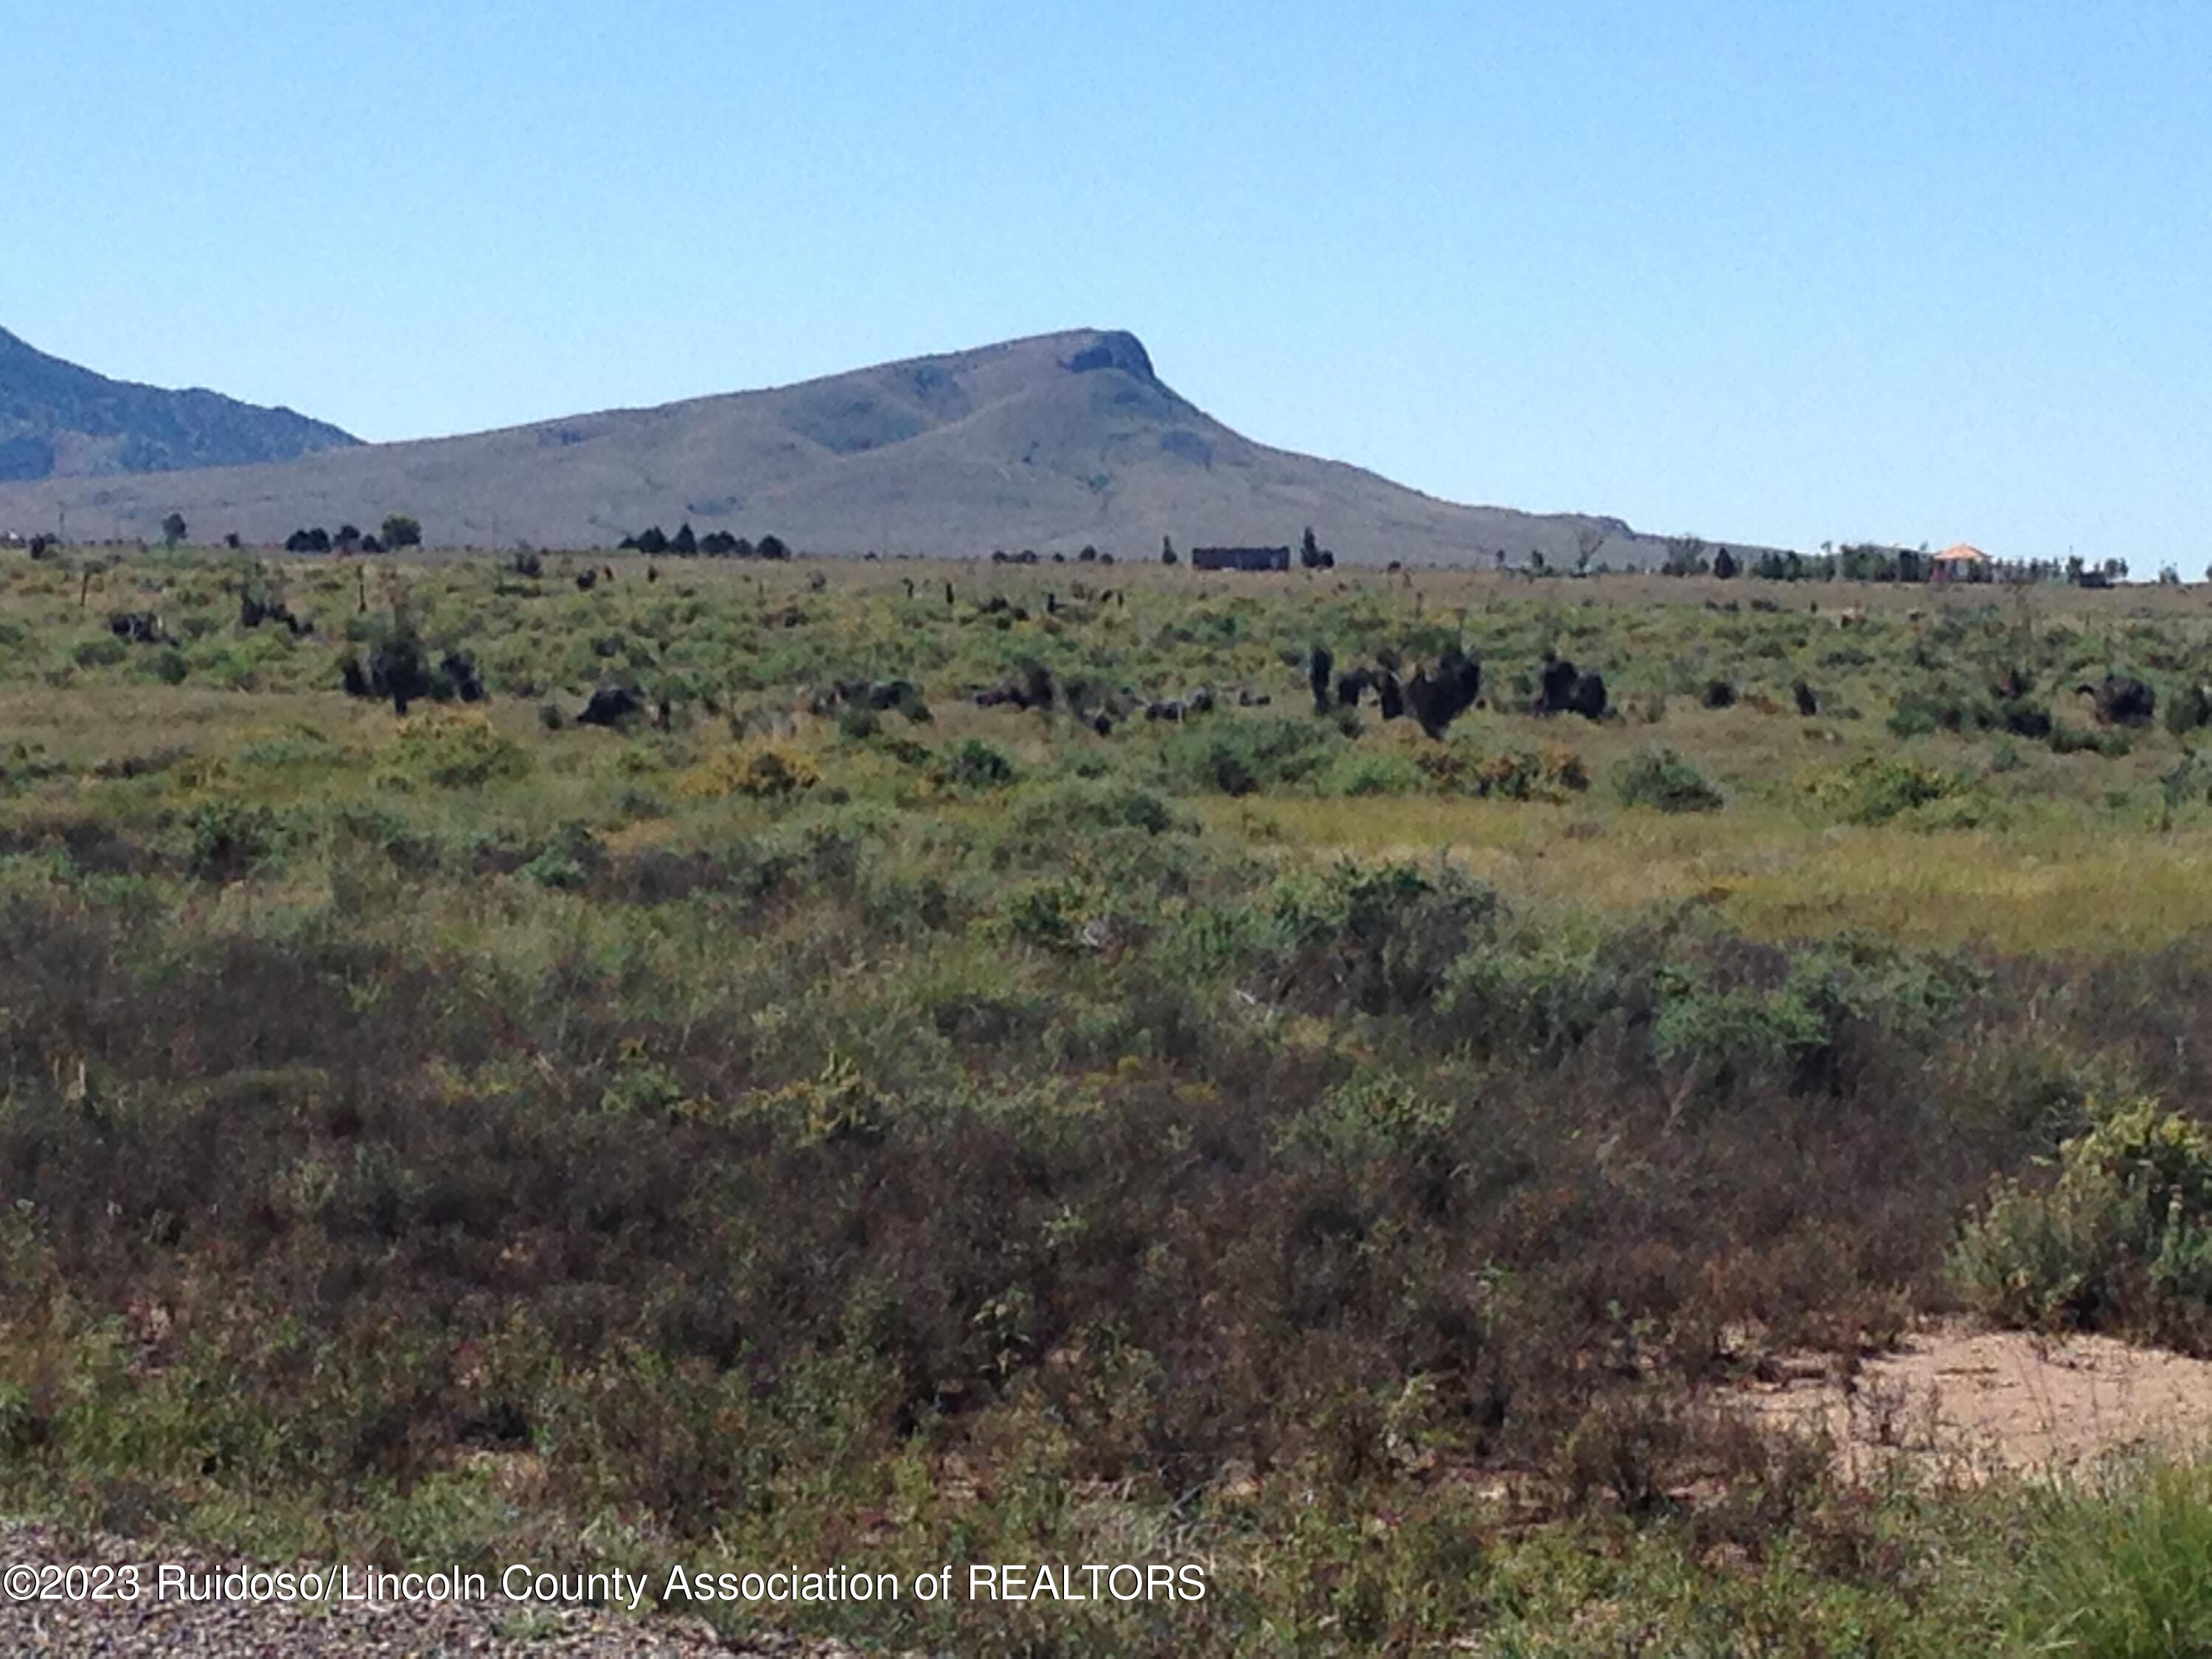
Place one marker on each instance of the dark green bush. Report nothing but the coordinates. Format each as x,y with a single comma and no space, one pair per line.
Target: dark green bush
226,838
1663,779
976,764
1237,756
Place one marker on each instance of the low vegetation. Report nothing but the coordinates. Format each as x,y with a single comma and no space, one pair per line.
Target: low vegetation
1008,1069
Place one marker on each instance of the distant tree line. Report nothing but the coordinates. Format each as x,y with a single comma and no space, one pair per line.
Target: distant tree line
1867,562
399,530
715,545
1028,556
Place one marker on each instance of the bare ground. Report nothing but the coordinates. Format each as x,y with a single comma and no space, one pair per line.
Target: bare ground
1984,1401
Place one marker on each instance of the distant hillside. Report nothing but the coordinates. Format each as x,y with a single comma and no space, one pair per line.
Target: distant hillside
57,421
1053,443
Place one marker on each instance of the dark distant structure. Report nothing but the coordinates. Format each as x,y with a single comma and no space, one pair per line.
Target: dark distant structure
1240,558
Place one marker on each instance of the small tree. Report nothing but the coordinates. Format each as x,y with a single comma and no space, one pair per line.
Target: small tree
348,538
402,530
684,544
173,530
1310,551
1588,540
1724,564
1167,552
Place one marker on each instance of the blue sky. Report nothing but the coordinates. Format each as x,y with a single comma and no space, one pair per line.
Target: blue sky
1771,272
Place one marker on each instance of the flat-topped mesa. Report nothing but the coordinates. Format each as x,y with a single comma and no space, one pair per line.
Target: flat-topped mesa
1114,348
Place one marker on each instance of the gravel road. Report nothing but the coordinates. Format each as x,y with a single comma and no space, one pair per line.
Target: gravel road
388,1630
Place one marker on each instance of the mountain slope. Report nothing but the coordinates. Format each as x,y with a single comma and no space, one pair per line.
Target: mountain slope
58,420
1053,442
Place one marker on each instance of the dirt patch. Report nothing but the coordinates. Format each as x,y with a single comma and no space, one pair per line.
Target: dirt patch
1982,1402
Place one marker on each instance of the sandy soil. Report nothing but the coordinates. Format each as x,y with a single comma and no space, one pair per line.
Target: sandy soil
1989,1400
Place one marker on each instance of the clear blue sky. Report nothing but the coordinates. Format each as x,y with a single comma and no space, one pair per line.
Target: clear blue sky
1776,272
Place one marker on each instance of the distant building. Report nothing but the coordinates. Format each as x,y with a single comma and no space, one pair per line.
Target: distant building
1961,563
1240,558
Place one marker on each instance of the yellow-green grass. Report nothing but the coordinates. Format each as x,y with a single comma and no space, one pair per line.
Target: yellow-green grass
1773,873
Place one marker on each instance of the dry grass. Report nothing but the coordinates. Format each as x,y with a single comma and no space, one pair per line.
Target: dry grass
1771,873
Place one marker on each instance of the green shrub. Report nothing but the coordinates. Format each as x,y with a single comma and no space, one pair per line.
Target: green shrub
1378,938
1807,1020
225,839
1374,1113
569,860
1661,779
976,764
451,748
1876,788
1047,815
2128,1219
1239,757
1046,913
2112,742
2189,783
2189,709
1371,772
1918,712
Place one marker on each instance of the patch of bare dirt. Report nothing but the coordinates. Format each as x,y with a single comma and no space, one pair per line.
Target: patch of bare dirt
1984,1401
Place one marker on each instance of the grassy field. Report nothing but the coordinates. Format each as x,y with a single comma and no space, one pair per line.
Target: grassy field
776,1129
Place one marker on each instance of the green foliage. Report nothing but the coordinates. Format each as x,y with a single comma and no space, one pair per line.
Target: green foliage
2117,1570
1045,817
569,860
2189,782
1379,939
1361,772
1236,756
1663,779
225,838
1009,1148
975,764
451,748
2125,1226
2111,742
1373,1114
1876,788
2189,709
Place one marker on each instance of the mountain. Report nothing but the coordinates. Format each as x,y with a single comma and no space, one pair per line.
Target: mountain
1054,443
59,421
